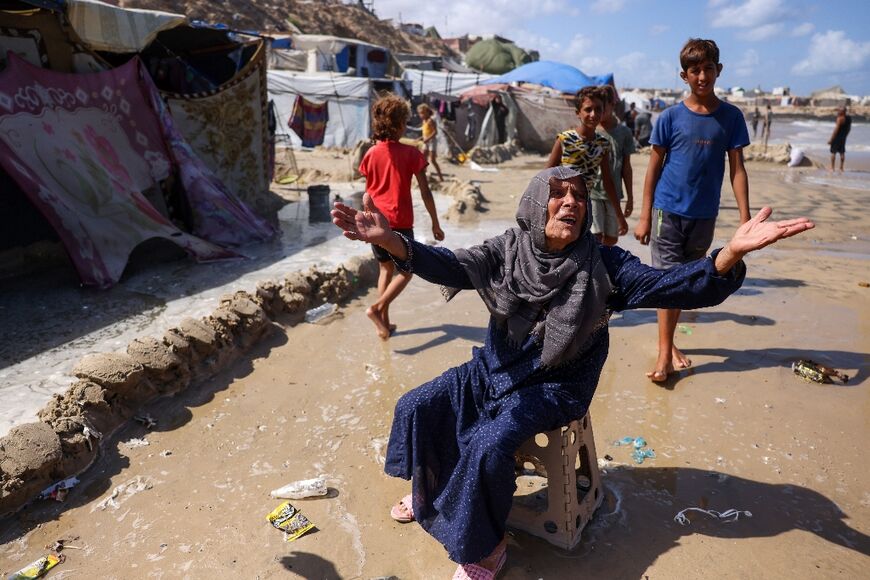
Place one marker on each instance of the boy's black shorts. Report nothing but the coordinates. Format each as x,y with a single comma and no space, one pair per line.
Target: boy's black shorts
676,239
381,255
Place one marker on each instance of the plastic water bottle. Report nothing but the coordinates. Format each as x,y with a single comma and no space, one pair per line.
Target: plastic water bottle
323,311
302,489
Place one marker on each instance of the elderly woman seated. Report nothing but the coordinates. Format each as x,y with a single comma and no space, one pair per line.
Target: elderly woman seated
550,289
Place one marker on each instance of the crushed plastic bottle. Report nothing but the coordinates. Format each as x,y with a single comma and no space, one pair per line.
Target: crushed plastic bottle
301,489
322,312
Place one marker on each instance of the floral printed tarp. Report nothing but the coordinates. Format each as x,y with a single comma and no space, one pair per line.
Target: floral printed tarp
228,130
84,148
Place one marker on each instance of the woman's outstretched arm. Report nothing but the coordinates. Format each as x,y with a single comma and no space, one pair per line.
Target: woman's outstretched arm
436,265
698,284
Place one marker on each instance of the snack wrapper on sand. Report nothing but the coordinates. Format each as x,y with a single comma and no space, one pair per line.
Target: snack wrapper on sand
289,520
38,568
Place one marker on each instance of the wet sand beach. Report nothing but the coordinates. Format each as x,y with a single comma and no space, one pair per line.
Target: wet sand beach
737,430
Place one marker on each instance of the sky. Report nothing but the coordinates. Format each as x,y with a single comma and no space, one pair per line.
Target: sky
802,44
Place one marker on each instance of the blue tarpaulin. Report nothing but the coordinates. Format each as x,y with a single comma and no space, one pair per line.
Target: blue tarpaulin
556,75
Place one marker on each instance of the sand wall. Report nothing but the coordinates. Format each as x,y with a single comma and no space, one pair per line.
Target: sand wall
111,387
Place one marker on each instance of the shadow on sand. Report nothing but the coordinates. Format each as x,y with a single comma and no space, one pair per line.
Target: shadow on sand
636,524
447,332
310,566
646,316
855,364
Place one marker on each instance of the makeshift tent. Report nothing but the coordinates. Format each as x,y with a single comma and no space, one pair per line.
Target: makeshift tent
214,84
105,27
489,134
348,100
36,32
555,75
331,53
86,149
424,82
540,117
228,128
641,99
833,96
282,55
496,57
39,36
835,91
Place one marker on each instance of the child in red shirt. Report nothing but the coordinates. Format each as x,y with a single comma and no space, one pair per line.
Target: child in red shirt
388,167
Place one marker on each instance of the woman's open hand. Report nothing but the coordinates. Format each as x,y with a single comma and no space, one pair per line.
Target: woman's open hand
368,225
758,232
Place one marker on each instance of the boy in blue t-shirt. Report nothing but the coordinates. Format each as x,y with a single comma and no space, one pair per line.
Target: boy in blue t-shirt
684,180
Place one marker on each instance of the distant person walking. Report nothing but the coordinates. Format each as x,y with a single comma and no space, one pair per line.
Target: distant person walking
838,138
756,116
430,137
767,121
630,116
643,128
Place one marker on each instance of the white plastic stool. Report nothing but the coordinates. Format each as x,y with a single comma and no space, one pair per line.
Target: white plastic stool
558,484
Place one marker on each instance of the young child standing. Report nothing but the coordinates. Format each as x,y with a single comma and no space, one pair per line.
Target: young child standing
388,168
604,224
684,181
586,150
430,136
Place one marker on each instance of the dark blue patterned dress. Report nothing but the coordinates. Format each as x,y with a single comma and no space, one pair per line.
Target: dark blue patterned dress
456,435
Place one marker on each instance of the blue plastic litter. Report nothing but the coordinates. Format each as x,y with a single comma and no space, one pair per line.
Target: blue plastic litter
640,452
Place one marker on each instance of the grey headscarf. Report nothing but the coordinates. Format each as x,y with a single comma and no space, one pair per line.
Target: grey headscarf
559,297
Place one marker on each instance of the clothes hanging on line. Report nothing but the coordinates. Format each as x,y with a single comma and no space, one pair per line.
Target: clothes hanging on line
309,121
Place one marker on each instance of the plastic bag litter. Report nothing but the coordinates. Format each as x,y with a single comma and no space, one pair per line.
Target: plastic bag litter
136,442
301,489
477,167
123,492
640,453
728,516
58,491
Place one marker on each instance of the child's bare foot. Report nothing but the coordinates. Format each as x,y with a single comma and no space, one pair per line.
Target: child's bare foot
663,368
375,316
679,360
660,375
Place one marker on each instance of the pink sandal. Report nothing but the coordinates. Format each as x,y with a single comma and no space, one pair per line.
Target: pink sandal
403,512
477,572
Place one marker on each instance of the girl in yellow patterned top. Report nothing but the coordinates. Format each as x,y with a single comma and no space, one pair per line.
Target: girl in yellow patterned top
430,137
588,151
